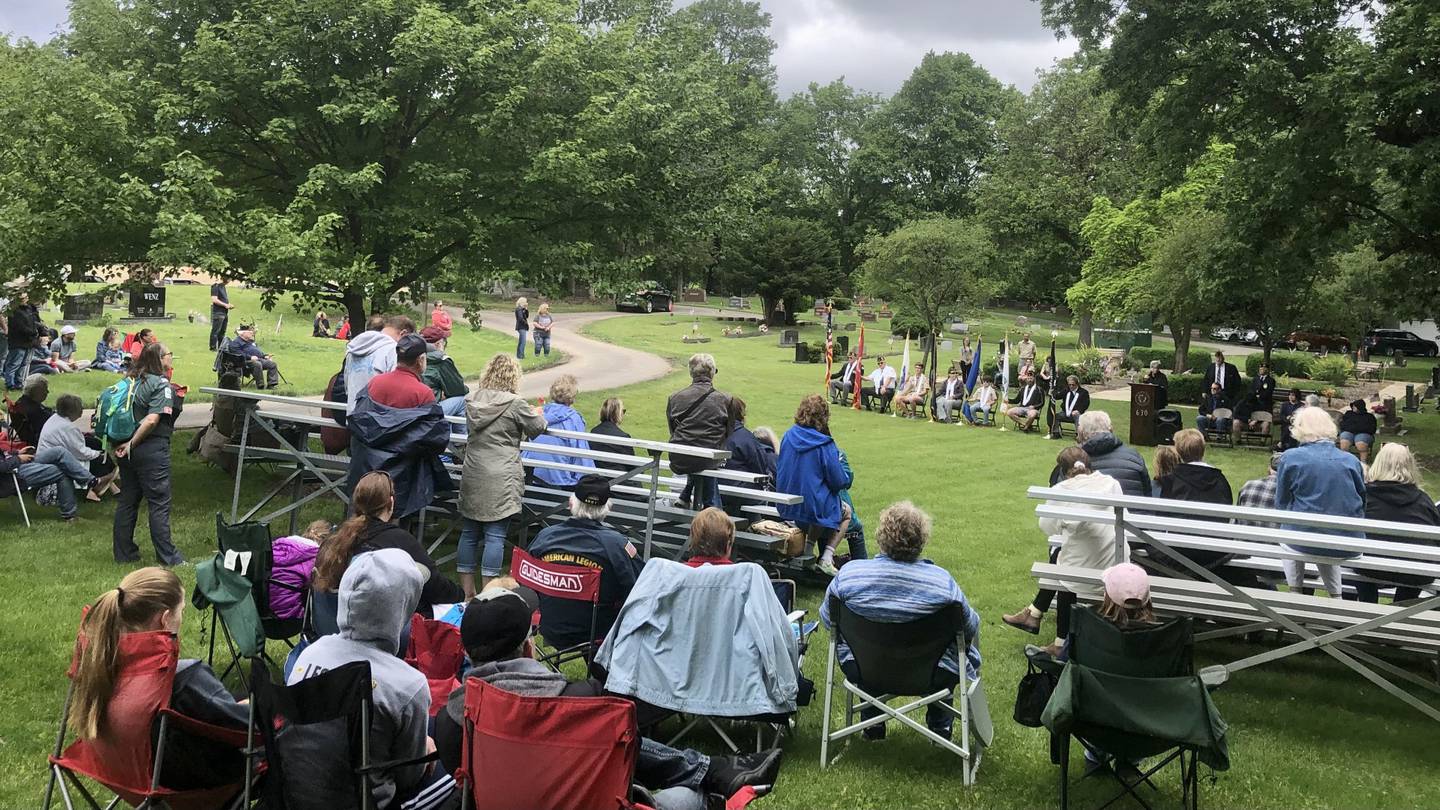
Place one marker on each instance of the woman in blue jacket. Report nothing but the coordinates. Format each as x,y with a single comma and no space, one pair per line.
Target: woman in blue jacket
810,466
560,414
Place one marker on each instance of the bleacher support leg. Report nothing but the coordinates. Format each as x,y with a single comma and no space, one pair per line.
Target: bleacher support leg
650,505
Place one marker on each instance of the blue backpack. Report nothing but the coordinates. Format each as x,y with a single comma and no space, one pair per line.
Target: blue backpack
115,413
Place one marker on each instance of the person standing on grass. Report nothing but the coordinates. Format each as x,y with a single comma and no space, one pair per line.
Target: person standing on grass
543,324
522,325
220,307
440,319
144,459
23,321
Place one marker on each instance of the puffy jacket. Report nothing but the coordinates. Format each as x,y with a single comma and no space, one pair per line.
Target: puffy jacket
561,417
749,454
810,466
1109,455
406,443
294,560
705,422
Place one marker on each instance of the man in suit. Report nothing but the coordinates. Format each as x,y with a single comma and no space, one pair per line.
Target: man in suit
1226,375
843,382
1075,401
1211,402
1027,403
949,395
1262,389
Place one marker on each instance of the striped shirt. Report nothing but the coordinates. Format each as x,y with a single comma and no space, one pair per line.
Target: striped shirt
886,590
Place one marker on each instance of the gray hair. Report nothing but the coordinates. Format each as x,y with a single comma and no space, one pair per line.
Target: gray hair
1092,424
35,382
1072,379
1275,460
589,511
1312,425
1155,364
702,365
1312,401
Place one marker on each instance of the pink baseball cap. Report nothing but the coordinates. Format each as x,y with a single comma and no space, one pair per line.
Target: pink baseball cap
1126,584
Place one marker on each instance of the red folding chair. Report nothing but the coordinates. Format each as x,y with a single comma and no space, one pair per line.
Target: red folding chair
547,753
437,652
561,581
125,760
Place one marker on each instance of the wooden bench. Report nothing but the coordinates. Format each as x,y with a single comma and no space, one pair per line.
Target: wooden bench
1350,632
1368,370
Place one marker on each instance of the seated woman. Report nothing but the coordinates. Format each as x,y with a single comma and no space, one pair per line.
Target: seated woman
1392,492
898,586
1082,545
1317,478
1166,460
809,465
1195,480
321,326
914,392
108,354
149,600
371,529
712,538
612,413
560,414
1357,429
61,434
40,362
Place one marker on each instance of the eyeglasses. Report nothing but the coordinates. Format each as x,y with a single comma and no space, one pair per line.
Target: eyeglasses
168,354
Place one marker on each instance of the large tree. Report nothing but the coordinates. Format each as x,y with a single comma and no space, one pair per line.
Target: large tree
784,259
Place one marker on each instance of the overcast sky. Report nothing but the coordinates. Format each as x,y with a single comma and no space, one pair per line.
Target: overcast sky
874,44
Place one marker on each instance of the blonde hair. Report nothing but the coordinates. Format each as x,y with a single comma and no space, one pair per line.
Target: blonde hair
903,531
545,308
1311,424
319,530
612,411
1166,460
1190,445
564,389
711,533
502,373
1395,463
506,583
131,607
1123,617
522,301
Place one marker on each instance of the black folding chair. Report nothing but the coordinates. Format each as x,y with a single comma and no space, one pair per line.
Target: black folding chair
899,660
326,717
254,539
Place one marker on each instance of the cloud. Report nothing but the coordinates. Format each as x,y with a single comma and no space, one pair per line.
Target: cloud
37,19
970,20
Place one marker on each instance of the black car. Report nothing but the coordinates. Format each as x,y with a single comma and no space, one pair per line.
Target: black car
649,300
1389,341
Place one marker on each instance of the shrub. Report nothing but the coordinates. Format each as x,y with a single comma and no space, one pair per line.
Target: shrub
841,304
1282,363
1186,389
1332,368
904,321
1141,356
1089,365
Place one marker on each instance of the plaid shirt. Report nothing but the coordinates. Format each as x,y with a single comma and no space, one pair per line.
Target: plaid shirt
1259,494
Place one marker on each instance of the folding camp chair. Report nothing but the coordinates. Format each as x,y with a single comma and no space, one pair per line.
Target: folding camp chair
324,717
253,539
561,581
1132,695
547,753
1214,434
900,660
129,758
435,651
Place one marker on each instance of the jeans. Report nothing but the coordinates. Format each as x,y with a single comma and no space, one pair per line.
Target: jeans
265,371
492,560
674,777
455,406
1204,423
36,475
74,469
111,367
542,342
701,490
937,717
145,474
520,345
218,322
17,361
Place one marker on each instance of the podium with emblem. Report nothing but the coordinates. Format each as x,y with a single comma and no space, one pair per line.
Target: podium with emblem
1142,413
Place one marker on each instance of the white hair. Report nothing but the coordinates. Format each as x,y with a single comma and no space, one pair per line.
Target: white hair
35,382
1311,424
1092,424
588,511
1154,364
702,365
1312,401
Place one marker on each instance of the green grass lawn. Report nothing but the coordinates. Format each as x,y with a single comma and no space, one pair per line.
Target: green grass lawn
307,362
1305,732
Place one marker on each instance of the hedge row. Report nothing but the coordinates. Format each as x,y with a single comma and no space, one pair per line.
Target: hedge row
1294,364
1141,357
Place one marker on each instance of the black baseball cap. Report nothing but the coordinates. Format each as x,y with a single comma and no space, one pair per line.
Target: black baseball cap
593,489
410,348
496,622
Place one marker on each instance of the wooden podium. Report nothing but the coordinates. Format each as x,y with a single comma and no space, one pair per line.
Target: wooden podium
1142,413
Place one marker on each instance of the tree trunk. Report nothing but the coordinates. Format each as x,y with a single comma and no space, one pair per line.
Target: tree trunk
1087,329
355,311
1181,335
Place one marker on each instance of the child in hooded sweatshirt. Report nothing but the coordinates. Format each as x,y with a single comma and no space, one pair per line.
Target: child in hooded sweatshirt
378,593
293,561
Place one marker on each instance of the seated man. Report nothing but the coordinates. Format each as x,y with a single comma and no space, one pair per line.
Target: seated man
62,352
33,475
1075,401
260,365
842,382
585,540
983,409
1259,493
882,386
914,392
1027,404
496,635
378,593
442,376
1212,402
898,586
29,413
948,395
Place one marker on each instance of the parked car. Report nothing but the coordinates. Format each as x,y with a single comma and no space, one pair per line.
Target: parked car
1250,337
1389,341
1316,341
647,300
1225,333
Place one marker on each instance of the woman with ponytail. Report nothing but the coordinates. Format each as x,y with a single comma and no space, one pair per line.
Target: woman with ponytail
1081,545
371,529
153,600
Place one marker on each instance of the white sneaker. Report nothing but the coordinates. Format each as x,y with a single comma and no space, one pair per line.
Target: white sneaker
827,568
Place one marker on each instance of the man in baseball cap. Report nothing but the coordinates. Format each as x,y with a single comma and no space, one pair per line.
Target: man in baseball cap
585,541
404,387
260,365
496,632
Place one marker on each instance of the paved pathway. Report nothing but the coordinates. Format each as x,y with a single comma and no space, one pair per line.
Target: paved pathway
597,365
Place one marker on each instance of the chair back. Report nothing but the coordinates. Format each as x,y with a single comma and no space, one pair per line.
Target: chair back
323,721
547,753
899,658
435,651
1150,651
558,580
254,539
1222,413
1265,417
785,592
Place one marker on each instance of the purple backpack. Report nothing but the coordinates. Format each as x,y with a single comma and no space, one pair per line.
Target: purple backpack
294,560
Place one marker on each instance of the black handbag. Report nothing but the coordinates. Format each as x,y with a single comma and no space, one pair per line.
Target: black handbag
1034,692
